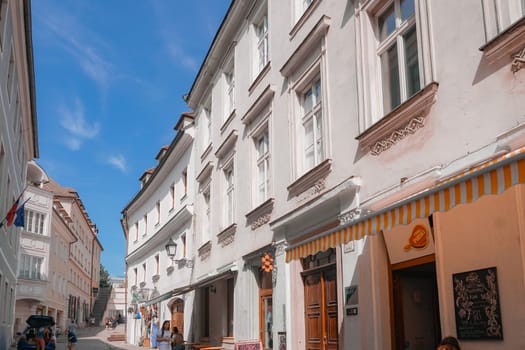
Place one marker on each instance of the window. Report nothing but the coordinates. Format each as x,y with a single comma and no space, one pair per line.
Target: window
31,267
172,196
34,222
136,274
398,53
157,265
263,165
312,124
158,212
3,14
229,195
229,80
499,15
207,215
183,240
230,290
260,26
10,76
205,120
145,225
144,272
185,182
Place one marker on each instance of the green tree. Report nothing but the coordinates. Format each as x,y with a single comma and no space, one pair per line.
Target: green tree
104,277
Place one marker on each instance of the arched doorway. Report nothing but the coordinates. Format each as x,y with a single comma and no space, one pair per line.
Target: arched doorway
177,314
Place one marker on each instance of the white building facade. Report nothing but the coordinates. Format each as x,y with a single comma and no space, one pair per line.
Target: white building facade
18,142
161,213
358,177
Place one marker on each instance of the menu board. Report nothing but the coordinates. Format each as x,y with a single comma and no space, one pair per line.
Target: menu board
476,303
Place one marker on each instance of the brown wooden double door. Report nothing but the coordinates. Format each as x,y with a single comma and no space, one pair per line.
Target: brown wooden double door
320,298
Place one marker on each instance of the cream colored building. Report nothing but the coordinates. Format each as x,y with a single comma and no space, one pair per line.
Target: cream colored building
18,141
371,152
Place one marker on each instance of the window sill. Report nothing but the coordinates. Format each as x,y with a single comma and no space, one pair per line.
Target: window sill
205,172
304,17
315,177
227,236
261,214
259,77
404,120
205,250
206,151
228,121
508,43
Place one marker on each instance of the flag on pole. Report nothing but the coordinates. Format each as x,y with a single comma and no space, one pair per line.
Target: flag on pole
20,216
11,213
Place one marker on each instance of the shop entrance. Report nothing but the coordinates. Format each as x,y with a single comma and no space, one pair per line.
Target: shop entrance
415,305
320,301
177,315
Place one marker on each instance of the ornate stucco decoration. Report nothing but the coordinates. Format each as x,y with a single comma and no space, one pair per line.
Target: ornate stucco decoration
205,251
518,61
397,135
313,182
349,216
260,215
227,236
404,120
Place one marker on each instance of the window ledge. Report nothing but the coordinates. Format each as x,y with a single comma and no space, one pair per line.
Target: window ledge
261,101
205,250
313,178
206,151
304,17
205,172
228,120
509,43
227,144
259,77
261,214
404,120
227,235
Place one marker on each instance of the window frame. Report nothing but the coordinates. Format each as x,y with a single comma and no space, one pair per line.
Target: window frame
311,116
229,193
262,159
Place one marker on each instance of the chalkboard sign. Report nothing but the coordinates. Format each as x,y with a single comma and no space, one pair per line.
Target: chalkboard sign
476,303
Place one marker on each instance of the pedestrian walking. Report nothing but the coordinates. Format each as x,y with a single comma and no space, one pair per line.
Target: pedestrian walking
164,337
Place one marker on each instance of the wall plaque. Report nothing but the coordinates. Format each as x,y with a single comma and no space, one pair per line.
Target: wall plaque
476,304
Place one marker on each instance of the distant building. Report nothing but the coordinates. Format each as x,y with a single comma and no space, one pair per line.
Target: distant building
117,300
18,141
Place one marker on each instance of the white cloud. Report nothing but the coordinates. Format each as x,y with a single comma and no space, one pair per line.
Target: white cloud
77,128
78,41
118,161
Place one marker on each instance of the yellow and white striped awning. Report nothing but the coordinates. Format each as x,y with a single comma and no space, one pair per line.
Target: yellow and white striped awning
492,177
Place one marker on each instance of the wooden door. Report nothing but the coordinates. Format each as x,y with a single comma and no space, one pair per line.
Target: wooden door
177,315
320,296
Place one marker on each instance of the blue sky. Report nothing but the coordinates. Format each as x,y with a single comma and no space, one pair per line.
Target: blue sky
110,76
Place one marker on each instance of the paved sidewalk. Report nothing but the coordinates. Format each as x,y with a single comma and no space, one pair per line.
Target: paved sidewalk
92,338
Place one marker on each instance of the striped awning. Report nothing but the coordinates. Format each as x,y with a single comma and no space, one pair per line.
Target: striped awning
492,177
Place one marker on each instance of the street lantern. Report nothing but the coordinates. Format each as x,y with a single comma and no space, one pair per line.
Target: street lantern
171,248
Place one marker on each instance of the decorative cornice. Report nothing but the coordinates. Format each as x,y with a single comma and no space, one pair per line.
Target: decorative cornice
262,101
227,144
205,172
260,215
312,39
227,236
280,248
397,135
404,120
314,179
205,250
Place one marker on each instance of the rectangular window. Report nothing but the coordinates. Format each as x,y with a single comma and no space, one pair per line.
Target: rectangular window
261,33
34,222
144,272
398,53
229,195
157,206
145,225
501,14
157,265
136,231
10,75
185,182
229,79
183,240
207,216
172,196
263,166
30,267
312,122
136,273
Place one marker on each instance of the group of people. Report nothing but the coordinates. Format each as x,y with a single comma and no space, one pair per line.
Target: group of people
165,339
